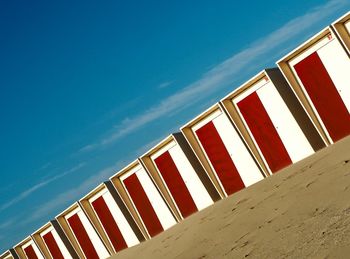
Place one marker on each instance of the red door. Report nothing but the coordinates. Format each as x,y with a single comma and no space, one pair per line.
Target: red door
175,184
220,158
264,132
143,205
324,96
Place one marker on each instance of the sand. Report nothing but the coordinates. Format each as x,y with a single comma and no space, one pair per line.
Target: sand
301,212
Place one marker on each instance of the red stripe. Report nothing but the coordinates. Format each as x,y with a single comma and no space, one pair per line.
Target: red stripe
52,246
220,158
264,132
176,184
143,205
82,237
324,95
109,224
30,253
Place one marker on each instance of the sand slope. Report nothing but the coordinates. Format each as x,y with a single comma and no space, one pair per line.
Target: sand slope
301,212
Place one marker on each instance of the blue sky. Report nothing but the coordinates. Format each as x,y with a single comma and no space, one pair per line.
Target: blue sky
87,86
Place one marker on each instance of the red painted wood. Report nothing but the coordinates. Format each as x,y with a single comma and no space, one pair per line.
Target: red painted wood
143,205
109,224
175,184
264,132
82,237
52,246
324,95
220,158
30,253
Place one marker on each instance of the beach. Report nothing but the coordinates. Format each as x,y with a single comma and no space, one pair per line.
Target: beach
303,211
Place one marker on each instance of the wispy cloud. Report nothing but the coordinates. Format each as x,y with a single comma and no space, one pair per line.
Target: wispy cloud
165,84
74,193
38,186
45,166
221,74
7,223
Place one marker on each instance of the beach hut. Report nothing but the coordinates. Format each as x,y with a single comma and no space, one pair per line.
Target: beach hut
342,29
81,233
112,219
28,249
177,171
53,243
318,72
9,254
272,120
143,198
222,151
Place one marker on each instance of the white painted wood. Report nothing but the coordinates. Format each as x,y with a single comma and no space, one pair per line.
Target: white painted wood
315,47
293,138
163,149
207,119
244,162
58,240
337,63
123,225
347,26
71,213
130,172
98,195
61,245
249,91
35,248
161,209
194,185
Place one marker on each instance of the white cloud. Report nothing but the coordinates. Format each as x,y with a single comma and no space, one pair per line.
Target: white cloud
220,74
74,193
165,84
38,186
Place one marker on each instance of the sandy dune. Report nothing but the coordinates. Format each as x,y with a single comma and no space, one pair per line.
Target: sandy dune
301,212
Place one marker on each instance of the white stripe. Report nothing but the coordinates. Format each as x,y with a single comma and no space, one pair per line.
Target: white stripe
205,120
294,140
313,48
240,156
98,195
58,240
164,215
37,251
163,149
95,240
235,100
61,245
131,171
123,225
337,63
194,185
